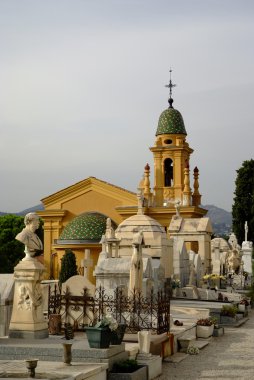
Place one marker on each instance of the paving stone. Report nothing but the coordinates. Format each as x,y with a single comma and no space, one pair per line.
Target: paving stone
226,357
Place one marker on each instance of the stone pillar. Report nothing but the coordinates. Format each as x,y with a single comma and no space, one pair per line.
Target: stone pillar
187,189
147,190
196,196
86,263
247,256
205,252
27,319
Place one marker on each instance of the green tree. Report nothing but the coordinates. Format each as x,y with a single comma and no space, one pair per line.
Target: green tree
11,250
243,206
68,266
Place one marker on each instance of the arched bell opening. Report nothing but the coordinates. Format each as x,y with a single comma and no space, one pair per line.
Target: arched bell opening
168,172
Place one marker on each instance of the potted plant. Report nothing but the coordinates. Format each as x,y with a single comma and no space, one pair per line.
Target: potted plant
175,284
243,304
99,336
205,327
128,370
118,334
228,314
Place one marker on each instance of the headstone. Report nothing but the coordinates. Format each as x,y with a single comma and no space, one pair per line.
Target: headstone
76,285
158,274
238,281
190,292
112,272
181,261
207,294
6,301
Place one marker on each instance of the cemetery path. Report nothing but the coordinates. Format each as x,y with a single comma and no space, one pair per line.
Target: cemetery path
228,357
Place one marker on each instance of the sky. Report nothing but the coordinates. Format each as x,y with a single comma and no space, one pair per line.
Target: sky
82,86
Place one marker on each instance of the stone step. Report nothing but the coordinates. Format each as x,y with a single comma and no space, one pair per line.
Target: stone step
51,349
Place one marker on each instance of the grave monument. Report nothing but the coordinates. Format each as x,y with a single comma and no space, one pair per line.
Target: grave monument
27,320
247,247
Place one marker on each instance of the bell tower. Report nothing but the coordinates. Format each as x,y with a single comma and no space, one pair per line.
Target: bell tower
171,158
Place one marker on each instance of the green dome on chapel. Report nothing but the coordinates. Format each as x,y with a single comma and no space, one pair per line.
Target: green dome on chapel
89,226
171,122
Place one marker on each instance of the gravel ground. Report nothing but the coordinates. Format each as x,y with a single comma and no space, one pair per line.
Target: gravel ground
230,356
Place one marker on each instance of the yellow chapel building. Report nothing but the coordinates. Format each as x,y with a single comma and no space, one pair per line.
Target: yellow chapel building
76,216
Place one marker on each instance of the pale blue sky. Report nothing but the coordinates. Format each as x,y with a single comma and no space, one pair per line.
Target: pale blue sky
82,88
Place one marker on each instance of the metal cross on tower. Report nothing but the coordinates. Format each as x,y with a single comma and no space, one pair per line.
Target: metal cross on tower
170,86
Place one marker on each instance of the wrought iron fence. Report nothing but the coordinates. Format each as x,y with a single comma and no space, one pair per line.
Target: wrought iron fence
136,311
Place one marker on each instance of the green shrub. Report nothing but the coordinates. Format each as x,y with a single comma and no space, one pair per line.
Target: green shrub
68,266
229,311
126,366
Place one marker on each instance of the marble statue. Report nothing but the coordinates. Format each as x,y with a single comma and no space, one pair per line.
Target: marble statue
110,232
233,261
136,270
27,320
32,242
246,231
192,278
177,207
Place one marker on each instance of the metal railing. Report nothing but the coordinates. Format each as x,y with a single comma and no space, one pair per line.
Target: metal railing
136,311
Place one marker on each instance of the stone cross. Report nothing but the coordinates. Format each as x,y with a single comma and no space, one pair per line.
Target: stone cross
246,231
87,262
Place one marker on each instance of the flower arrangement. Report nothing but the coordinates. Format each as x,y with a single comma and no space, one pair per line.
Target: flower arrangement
213,277
205,322
192,350
244,302
175,284
108,321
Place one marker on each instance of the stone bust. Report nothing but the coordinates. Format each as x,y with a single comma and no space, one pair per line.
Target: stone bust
32,242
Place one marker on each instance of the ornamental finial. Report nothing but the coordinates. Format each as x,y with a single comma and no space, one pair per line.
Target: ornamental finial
170,86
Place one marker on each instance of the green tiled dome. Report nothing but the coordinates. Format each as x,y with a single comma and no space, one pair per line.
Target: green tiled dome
87,226
171,122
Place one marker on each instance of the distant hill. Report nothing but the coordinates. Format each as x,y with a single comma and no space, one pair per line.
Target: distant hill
26,211
220,218
31,209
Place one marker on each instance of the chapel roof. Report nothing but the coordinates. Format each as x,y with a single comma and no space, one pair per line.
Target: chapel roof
171,122
89,226
140,222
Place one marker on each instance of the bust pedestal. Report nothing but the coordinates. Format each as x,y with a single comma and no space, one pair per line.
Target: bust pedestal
27,319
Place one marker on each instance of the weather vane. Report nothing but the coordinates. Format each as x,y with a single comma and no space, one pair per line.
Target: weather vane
170,86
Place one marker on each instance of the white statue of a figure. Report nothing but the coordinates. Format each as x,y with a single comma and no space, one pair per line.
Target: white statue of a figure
177,207
136,270
246,231
110,232
33,244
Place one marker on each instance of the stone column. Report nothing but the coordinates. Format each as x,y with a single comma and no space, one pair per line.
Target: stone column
247,256
27,319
